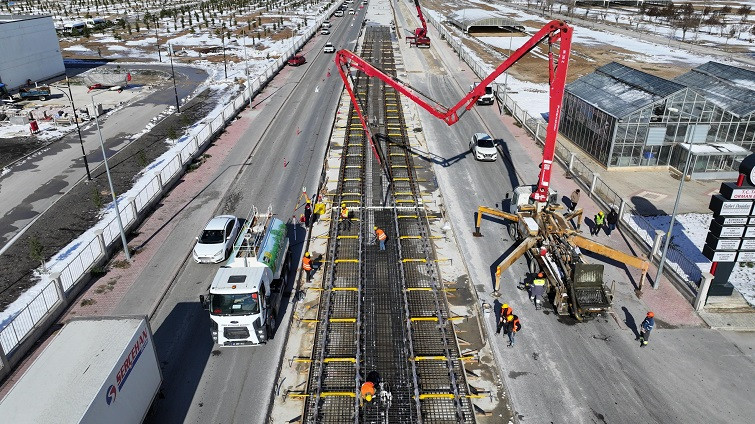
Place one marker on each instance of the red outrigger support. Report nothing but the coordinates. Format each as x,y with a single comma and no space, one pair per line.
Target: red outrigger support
555,32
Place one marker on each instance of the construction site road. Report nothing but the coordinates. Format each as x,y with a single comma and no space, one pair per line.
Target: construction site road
560,370
33,184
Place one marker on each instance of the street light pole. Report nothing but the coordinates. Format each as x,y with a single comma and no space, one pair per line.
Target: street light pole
656,281
246,68
157,40
110,182
173,73
222,40
78,128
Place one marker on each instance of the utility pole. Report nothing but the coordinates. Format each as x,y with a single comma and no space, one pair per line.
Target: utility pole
173,72
157,40
78,128
222,40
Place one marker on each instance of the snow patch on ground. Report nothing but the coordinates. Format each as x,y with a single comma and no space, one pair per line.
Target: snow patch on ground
688,236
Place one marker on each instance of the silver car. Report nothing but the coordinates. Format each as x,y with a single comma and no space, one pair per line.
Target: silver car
483,147
216,241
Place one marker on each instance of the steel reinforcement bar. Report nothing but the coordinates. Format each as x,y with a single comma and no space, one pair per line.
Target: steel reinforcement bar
383,311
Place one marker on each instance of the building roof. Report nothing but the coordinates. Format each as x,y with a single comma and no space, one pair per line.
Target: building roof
729,87
620,90
467,19
4,19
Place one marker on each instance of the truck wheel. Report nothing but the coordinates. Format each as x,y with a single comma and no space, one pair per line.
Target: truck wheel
271,327
42,98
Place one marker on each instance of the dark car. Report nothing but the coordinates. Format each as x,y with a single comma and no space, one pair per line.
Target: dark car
297,60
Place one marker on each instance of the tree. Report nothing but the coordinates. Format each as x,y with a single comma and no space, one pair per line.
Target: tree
744,12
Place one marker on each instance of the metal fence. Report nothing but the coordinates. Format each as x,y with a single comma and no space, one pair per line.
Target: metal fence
676,262
71,265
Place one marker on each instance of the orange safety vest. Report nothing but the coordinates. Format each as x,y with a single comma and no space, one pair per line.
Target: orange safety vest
506,312
344,213
306,264
368,388
517,326
380,234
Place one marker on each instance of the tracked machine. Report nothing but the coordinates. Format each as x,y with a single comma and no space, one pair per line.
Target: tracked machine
535,218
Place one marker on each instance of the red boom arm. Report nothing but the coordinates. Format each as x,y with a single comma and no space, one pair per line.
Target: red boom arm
555,32
423,32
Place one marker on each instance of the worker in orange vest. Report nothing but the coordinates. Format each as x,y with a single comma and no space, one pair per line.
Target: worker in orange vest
381,237
512,327
369,387
308,266
505,311
345,219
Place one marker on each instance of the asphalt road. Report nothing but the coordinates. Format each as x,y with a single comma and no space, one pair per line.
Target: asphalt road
32,186
559,371
203,383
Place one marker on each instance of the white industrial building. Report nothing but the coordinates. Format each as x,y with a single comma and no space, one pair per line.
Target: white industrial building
29,50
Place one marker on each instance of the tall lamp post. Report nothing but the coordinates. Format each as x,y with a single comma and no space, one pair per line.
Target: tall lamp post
656,281
173,73
157,40
110,182
69,96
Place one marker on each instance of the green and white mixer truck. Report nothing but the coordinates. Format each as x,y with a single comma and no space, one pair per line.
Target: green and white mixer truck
246,292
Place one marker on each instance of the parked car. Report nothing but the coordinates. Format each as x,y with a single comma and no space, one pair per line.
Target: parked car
297,60
483,147
351,11
325,24
324,31
338,12
329,48
216,241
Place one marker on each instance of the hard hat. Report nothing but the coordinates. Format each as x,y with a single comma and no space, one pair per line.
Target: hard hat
540,274
510,318
343,205
368,398
306,254
651,314
309,201
505,305
374,228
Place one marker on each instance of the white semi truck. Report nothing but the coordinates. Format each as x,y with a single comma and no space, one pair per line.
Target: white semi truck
95,370
246,292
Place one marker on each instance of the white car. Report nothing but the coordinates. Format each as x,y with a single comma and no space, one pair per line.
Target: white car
329,48
324,31
216,241
351,11
338,13
483,147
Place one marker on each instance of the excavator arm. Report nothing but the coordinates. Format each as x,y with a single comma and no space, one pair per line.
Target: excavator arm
555,32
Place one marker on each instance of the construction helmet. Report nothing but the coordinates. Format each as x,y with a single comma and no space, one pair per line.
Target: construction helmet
505,305
343,205
539,275
306,254
374,228
368,398
651,314
510,318
309,201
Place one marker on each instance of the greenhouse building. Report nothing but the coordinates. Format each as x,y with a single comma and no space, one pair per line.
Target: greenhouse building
623,117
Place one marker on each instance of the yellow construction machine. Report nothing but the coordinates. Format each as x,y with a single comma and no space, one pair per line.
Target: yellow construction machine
553,245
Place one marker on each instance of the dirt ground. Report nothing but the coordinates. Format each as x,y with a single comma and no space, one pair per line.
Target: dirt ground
76,211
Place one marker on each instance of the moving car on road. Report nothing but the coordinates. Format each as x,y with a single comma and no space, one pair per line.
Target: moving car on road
216,240
482,147
329,48
297,60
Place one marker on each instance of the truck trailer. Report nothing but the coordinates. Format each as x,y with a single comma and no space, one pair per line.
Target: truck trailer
95,370
245,295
